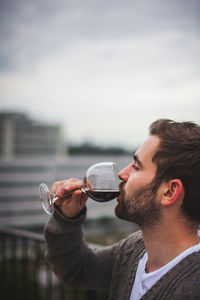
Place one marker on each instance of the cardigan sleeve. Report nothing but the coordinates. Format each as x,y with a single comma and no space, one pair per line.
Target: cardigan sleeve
71,258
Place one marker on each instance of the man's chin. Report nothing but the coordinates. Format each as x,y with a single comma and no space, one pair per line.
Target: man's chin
121,213
117,210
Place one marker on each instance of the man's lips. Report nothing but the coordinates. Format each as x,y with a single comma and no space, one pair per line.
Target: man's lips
121,185
119,197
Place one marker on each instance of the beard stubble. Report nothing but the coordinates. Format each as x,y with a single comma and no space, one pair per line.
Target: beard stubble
140,207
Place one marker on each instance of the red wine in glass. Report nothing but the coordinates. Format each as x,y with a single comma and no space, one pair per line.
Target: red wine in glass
100,184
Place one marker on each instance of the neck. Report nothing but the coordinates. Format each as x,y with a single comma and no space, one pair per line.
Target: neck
164,243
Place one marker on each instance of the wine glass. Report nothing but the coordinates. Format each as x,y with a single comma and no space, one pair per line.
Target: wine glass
100,184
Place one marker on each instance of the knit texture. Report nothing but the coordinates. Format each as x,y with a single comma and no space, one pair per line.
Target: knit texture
113,268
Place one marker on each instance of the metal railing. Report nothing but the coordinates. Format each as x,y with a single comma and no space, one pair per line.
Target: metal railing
24,273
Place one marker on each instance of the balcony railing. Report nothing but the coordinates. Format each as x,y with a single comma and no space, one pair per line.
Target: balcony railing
24,273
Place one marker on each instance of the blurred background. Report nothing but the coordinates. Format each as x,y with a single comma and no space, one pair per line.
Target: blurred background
80,83
102,69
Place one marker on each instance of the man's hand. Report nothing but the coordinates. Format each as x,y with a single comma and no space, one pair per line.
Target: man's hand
74,201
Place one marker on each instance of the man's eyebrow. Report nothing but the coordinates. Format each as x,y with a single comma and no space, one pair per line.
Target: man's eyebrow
135,157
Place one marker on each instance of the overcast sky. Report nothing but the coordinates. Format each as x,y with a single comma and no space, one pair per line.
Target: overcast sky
103,69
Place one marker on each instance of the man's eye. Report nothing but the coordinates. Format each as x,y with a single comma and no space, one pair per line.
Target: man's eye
134,166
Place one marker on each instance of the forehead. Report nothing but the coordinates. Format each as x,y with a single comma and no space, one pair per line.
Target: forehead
146,152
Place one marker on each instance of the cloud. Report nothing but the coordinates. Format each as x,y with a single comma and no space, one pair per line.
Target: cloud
32,29
104,69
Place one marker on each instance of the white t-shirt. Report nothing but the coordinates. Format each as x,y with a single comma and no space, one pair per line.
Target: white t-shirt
144,281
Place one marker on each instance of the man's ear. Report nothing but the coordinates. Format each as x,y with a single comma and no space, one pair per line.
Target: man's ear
173,191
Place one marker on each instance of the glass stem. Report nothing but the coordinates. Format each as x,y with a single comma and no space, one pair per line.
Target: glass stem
53,197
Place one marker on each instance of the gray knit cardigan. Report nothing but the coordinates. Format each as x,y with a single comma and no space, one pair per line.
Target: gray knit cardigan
113,268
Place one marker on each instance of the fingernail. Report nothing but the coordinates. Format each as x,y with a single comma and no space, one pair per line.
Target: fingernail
59,193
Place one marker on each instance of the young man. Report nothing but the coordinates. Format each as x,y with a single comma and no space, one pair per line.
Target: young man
160,191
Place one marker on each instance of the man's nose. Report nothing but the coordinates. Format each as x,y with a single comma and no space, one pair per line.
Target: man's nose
123,174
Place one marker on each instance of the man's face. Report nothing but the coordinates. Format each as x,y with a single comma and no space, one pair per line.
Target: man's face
137,202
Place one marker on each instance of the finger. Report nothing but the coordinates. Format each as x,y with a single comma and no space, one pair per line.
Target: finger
59,201
59,187
56,186
71,206
71,186
79,198
74,205
70,196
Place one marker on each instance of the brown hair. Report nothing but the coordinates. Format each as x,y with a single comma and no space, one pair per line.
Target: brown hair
178,156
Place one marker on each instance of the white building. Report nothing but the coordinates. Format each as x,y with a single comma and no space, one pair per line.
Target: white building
22,137
30,153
